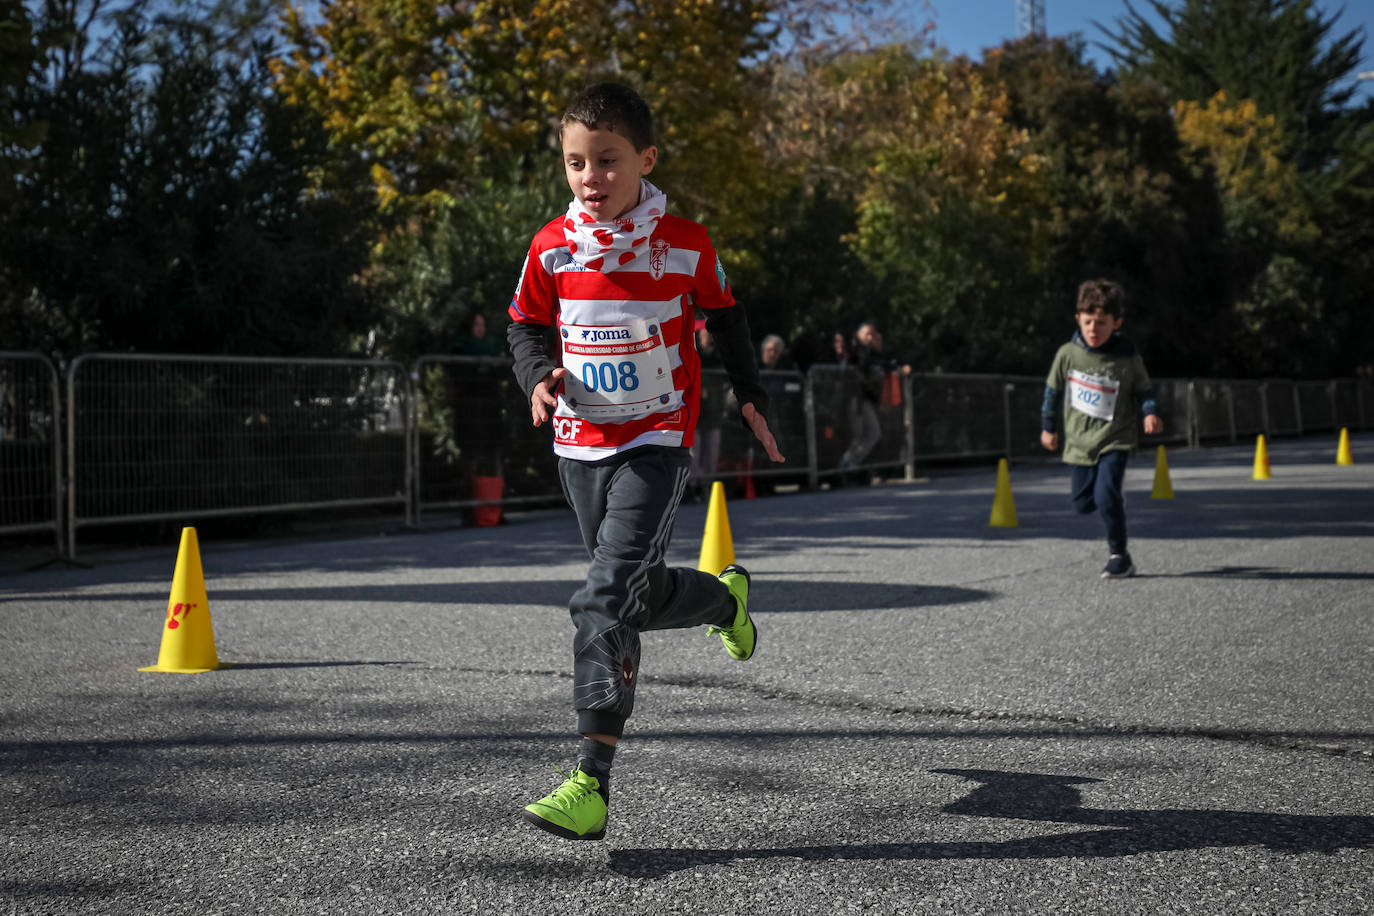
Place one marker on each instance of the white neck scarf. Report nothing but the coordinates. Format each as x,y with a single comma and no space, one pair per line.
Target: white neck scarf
607,246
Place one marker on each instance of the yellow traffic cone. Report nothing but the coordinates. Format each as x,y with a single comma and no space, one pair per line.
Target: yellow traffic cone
188,639
1261,461
1163,488
717,547
1003,504
1343,455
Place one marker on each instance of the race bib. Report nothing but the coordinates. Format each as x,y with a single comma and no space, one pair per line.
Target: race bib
615,369
1094,395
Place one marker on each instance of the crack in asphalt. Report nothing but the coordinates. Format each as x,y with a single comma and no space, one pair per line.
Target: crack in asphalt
1329,744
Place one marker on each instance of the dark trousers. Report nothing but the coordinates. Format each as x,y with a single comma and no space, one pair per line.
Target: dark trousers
625,508
1097,487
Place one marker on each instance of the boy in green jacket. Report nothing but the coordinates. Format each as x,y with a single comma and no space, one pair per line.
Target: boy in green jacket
1103,380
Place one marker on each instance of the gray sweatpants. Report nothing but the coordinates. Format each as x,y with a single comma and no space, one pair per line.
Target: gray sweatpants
625,507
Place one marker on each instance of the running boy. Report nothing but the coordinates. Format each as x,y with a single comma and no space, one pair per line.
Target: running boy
1107,388
601,331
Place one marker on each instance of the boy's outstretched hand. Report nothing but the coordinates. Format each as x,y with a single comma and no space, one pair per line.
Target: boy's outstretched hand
1153,424
543,398
759,425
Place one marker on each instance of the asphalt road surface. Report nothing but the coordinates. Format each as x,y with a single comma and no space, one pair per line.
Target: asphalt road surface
942,717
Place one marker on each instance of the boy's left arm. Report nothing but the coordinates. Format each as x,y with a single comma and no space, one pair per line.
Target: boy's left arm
729,327
1145,396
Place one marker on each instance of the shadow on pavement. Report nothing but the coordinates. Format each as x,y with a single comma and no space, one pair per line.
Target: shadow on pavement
776,595
1054,800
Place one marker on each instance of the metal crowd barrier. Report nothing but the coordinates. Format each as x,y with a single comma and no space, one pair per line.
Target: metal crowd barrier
30,445
182,437
473,442
168,437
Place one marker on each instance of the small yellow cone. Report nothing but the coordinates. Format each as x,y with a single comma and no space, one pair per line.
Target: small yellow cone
1003,503
1261,461
188,639
1343,455
717,547
1163,488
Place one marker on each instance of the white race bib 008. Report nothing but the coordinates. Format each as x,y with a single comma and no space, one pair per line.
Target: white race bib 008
615,369
1094,395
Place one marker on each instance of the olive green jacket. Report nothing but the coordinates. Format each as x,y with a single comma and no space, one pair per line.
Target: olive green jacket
1102,394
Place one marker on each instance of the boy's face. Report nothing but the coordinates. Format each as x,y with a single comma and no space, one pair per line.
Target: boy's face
604,169
1097,326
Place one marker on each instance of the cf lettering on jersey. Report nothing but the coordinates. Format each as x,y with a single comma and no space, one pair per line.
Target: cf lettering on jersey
566,428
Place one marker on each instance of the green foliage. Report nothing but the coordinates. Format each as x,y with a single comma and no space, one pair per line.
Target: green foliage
803,280
166,208
180,178
1260,91
1121,203
462,258
1280,53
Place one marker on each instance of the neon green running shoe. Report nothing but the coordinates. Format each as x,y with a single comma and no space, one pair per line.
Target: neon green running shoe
574,811
740,636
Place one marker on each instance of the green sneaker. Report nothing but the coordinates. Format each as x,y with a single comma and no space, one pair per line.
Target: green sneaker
575,810
740,636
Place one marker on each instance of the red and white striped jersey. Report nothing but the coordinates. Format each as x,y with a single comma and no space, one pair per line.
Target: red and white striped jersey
626,336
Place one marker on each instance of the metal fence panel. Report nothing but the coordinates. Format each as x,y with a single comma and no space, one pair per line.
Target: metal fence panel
726,450
1281,402
1175,412
157,437
960,416
474,438
1363,411
1213,410
1345,400
30,445
838,396
1316,404
1025,395
1247,398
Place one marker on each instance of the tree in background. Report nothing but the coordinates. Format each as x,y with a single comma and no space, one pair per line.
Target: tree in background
1268,226
1261,91
166,208
183,178
1120,201
457,104
20,134
940,235
1281,54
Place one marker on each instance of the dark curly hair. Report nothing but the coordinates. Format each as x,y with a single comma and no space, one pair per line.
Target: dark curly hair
1102,294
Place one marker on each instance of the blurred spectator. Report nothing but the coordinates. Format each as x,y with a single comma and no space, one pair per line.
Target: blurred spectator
773,355
843,352
477,342
869,337
873,368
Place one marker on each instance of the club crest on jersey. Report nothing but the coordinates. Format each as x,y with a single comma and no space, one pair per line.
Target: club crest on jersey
658,258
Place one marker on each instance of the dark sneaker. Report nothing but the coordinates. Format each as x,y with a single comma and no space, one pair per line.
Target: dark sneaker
574,811
1119,566
740,636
